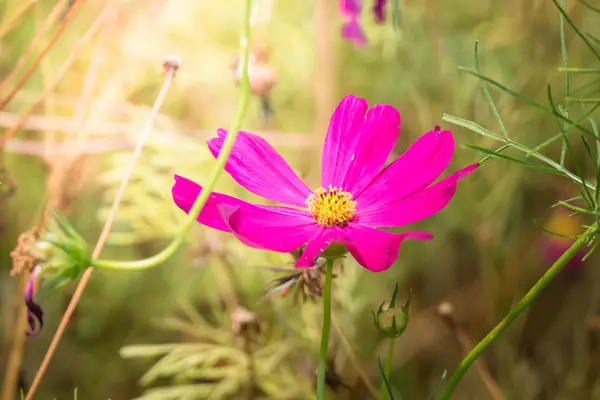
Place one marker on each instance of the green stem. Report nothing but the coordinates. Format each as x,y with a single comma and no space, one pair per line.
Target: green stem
388,367
531,295
242,106
322,369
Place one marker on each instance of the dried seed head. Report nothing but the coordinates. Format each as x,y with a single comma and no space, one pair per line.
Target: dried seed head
244,322
445,311
24,260
172,61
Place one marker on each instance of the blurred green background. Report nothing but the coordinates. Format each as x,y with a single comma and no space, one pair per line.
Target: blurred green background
487,250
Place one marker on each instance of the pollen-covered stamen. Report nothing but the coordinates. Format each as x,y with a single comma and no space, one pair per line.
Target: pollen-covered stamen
331,206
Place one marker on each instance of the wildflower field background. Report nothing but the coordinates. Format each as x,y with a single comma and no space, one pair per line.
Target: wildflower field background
180,330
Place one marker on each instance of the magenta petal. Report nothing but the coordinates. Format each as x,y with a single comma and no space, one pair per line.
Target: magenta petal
413,171
344,127
372,147
266,227
357,146
350,8
377,250
256,166
352,32
419,206
185,192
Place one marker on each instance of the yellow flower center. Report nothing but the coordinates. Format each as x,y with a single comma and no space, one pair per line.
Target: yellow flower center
331,206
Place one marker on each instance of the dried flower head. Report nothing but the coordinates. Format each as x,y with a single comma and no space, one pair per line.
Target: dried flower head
308,283
244,322
58,254
172,61
358,195
23,256
28,257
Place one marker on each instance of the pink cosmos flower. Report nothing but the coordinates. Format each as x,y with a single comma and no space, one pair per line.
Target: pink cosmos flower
358,194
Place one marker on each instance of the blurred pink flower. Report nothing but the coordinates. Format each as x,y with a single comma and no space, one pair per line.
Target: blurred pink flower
553,246
351,29
35,314
358,194
379,10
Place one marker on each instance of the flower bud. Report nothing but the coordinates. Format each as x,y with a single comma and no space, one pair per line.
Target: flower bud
392,321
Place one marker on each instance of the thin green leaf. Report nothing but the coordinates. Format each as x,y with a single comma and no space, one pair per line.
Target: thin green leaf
584,189
577,31
472,126
589,253
587,147
582,100
575,198
594,38
495,154
526,99
576,209
590,6
385,380
588,87
559,135
489,157
393,301
580,70
552,232
438,386
565,60
487,94
597,135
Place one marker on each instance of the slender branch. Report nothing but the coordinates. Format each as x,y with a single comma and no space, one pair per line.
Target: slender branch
40,35
352,357
14,18
525,302
104,234
322,368
45,50
15,358
201,200
59,75
388,366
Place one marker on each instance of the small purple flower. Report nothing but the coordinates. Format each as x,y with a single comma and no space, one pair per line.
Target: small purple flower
34,311
379,10
351,29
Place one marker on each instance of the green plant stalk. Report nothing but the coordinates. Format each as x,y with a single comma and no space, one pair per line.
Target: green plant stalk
388,366
525,302
200,202
565,61
322,368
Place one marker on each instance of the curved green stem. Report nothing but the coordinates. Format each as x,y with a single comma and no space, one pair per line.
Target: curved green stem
388,367
168,251
322,369
531,295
